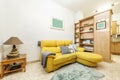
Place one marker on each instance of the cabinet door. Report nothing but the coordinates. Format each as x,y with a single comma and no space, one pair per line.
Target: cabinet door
117,47
114,27
112,47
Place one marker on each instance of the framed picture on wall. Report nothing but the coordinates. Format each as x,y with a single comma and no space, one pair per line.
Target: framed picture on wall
57,24
101,25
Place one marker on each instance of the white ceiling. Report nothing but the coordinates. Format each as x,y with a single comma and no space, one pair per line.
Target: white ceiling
86,6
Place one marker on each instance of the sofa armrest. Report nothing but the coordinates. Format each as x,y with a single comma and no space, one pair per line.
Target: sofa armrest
80,49
50,63
51,56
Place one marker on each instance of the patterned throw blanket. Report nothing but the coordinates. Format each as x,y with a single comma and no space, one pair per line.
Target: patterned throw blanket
77,71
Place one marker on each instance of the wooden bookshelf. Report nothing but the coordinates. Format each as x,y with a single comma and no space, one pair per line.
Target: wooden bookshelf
87,44
86,34
77,33
87,25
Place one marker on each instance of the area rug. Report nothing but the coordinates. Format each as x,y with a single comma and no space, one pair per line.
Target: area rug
77,71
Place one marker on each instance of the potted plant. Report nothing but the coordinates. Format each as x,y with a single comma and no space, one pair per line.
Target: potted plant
77,34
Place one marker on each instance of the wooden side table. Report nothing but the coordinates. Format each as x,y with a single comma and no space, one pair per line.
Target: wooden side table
6,64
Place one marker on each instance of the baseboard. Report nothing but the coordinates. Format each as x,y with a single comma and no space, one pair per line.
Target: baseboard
33,61
107,60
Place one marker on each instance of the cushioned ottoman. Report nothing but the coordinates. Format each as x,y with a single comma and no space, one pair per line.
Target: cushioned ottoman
89,59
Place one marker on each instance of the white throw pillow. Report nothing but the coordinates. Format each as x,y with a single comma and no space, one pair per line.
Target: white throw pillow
73,47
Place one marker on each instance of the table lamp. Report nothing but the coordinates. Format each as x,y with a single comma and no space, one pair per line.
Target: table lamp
13,41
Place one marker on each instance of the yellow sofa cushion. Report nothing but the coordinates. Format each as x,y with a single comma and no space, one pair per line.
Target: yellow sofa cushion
67,42
85,62
89,56
48,43
60,43
61,58
51,49
81,49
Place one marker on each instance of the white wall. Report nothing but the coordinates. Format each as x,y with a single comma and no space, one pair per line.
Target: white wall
78,15
30,20
116,17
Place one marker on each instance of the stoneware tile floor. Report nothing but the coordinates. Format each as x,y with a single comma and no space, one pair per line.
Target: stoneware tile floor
35,71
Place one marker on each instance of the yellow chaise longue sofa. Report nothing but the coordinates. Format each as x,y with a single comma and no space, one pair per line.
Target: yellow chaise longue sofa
56,61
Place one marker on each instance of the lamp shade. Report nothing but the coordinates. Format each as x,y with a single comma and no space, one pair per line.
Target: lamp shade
13,41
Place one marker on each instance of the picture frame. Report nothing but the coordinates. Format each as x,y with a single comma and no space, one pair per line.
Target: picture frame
101,25
57,24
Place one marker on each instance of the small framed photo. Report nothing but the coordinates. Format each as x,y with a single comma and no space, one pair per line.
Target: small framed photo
101,25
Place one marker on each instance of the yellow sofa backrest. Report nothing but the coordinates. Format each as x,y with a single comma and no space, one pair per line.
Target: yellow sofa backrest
48,43
51,49
55,43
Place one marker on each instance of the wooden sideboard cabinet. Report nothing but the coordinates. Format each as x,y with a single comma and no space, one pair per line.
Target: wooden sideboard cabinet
13,64
115,47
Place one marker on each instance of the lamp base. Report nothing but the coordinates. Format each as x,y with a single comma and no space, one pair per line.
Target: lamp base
15,52
13,55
